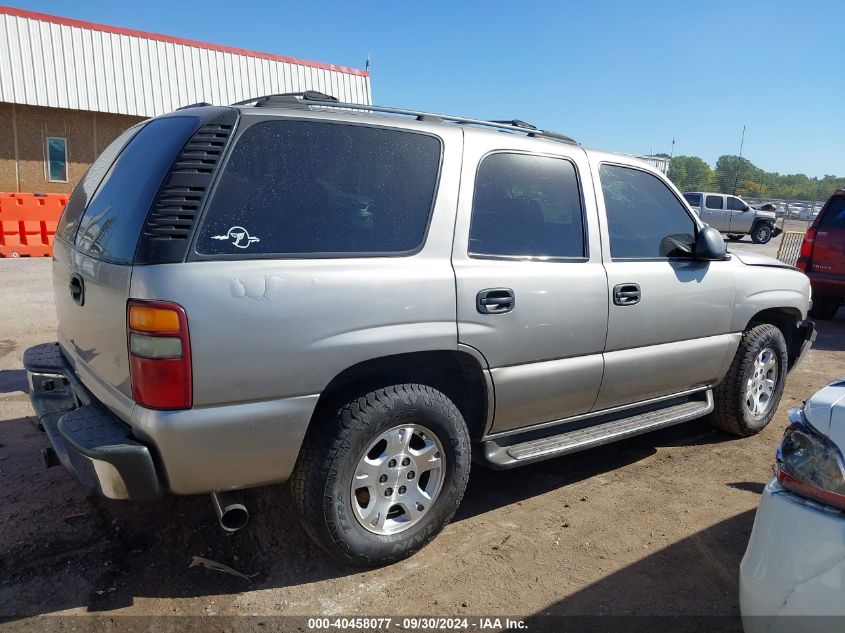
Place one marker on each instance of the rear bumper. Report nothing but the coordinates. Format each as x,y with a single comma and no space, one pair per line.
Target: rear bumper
190,451
90,442
827,285
794,566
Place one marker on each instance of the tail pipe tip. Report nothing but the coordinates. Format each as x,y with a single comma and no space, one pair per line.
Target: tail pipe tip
231,511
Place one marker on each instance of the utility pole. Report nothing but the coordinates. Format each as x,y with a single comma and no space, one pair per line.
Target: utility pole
741,143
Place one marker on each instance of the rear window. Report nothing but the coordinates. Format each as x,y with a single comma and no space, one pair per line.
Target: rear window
694,199
113,219
309,188
714,202
86,188
834,215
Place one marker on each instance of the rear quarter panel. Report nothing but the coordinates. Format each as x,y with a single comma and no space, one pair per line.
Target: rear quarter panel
271,328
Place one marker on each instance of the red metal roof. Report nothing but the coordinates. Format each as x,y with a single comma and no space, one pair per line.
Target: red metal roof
46,17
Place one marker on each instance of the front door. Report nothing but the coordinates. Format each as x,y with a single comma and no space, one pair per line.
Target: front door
741,215
531,288
669,314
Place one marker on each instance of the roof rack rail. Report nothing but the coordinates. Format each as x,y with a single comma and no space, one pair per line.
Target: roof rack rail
313,98
281,98
199,104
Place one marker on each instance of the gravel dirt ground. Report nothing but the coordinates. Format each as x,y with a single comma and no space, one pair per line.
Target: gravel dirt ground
656,525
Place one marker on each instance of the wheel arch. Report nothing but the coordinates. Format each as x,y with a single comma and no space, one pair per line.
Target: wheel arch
459,374
786,320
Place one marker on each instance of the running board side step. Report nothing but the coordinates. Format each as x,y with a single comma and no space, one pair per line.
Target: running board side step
533,450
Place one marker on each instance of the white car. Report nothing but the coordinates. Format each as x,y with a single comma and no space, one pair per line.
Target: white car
795,562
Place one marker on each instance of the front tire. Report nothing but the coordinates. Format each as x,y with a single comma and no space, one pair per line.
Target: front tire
379,480
761,233
748,396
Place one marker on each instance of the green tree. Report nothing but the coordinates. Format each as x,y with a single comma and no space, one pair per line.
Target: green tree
690,173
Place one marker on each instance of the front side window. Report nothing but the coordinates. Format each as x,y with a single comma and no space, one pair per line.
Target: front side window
311,188
735,204
526,206
714,202
56,159
645,219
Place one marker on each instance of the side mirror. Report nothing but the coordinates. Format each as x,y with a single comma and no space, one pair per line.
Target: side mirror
709,245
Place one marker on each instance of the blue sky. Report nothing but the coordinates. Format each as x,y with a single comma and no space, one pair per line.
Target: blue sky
624,76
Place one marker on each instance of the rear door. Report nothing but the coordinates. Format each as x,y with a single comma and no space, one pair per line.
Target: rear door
714,213
95,248
829,248
532,293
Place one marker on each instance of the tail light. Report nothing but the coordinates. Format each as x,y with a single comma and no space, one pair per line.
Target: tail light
810,465
805,257
159,354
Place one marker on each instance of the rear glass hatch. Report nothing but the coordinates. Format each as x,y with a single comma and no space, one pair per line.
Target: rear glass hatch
96,243
829,248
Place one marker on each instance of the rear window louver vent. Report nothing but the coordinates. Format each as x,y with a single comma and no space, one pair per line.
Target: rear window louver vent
171,220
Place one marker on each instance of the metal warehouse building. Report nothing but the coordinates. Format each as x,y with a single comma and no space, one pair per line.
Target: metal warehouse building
68,88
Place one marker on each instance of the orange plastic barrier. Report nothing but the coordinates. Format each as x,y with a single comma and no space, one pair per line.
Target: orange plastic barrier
28,223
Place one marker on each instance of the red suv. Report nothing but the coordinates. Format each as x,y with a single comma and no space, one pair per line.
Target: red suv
823,257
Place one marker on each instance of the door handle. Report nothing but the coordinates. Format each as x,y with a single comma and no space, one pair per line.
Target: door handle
77,288
495,301
626,294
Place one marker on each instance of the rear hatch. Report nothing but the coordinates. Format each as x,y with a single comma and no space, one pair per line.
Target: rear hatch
829,248
98,241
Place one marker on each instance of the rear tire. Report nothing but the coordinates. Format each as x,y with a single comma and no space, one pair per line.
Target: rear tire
824,307
761,233
360,482
748,396
735,237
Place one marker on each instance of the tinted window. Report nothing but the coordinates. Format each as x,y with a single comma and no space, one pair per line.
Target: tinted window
84,191
526,205
834,215
645,219
111,224
56,159
735,204
296,187
694,199
714,202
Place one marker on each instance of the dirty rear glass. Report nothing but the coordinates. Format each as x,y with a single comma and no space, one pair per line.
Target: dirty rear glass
112,222
309,188
834,215
87,186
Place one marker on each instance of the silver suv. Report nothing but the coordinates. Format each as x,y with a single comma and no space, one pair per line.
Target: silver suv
363,300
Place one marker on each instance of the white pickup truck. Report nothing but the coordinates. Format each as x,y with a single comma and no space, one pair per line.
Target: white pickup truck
733,216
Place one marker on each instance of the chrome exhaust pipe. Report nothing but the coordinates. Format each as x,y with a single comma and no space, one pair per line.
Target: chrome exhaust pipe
231,512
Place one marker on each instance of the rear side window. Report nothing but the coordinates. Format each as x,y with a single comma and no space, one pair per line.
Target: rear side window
526,206
645,220
694,199
84,191
309,188
714,202
112,223
834,215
